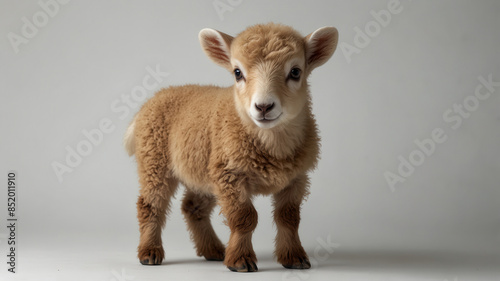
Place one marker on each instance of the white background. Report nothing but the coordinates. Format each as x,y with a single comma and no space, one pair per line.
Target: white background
441,223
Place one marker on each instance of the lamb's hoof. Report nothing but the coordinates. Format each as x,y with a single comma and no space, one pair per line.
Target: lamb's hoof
299,263
151,256
243,265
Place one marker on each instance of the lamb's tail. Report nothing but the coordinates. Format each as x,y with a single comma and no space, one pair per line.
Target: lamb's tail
129,139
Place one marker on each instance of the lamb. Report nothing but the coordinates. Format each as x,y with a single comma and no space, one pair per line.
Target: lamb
226,145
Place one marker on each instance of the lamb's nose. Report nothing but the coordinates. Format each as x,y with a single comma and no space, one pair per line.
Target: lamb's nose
264,108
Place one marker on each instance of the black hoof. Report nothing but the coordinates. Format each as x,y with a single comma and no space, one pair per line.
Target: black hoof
245,267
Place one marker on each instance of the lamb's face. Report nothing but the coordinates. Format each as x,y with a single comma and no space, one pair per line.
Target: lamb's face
270,78
270,64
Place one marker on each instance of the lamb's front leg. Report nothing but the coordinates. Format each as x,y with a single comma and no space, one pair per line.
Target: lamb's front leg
241,218
289,250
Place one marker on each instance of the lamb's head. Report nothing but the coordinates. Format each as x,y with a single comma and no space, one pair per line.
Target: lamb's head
270,64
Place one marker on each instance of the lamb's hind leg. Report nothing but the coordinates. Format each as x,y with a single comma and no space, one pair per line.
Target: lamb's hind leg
152,207
197,208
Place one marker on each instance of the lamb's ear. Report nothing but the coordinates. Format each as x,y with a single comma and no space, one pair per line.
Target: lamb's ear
320,46
217,46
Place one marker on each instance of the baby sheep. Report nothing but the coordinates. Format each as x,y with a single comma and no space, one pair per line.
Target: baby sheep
226,145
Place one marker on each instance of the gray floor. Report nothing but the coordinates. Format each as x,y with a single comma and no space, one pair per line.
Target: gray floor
81,258
179,266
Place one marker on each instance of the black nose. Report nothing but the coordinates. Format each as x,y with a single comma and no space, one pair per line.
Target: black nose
264,108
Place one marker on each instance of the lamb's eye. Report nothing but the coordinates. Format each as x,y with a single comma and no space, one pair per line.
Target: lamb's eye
295,73
237,74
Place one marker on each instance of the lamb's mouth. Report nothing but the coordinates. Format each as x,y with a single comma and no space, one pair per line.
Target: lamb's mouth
268,120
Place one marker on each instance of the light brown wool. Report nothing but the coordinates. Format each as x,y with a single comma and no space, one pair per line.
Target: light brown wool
226,145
